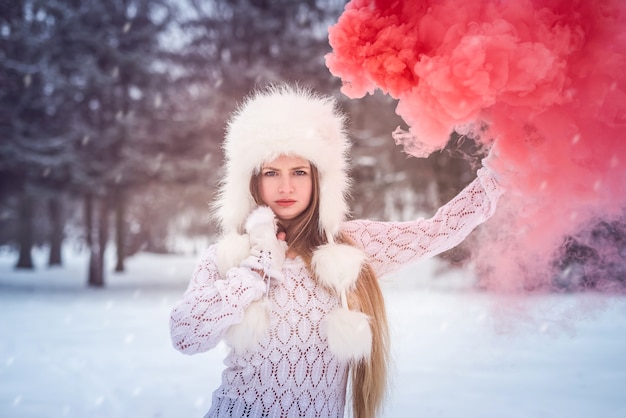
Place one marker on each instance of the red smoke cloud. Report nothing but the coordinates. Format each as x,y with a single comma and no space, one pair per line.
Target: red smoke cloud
545,79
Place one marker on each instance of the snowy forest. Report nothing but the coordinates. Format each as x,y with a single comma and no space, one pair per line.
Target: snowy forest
112,114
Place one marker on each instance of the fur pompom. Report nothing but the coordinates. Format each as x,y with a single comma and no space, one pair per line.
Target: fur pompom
232,249
349,334
254,326
338,265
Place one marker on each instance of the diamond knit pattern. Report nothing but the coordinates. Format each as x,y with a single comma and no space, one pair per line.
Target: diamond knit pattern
291,371
390,245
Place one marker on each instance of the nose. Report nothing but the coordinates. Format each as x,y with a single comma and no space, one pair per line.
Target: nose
285,185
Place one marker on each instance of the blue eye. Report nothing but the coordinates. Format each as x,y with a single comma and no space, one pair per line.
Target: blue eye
269,173
300,173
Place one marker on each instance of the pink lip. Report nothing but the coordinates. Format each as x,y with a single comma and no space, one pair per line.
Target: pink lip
285,202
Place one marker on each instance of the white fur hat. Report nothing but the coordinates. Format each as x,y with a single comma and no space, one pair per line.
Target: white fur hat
288,120
285,120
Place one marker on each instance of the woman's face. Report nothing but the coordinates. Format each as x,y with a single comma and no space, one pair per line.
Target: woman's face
286,186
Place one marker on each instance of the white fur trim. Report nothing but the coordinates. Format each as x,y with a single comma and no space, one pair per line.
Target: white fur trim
284,120
232,249
338,266
349,334
261,228
266,247
255,324
261,217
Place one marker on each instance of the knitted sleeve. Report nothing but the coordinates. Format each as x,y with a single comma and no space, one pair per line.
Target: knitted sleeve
390,245
212,304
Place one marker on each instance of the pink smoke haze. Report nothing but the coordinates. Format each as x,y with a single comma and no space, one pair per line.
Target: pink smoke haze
545,80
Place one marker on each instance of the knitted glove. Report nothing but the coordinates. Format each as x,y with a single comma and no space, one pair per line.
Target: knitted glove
267,253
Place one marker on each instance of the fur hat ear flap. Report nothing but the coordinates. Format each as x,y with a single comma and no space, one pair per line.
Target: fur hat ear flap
349,334
338,266
232,249
254,326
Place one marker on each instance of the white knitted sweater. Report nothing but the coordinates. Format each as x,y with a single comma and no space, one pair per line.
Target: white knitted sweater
291,372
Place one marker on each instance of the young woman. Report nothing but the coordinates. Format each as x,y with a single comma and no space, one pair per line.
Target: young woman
291,286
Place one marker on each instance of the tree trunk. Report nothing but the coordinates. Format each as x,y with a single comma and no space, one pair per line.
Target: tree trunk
120,230
88,220
99,237
25,232
92,268
450,168
56,233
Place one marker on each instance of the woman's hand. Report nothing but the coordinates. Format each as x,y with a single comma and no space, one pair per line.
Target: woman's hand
267,250
498,168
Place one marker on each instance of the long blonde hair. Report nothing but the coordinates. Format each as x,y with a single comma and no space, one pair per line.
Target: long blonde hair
368,376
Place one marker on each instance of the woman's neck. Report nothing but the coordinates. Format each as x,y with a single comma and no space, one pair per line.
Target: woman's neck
291,253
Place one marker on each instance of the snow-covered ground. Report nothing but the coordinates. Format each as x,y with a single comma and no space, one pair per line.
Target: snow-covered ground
70,351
